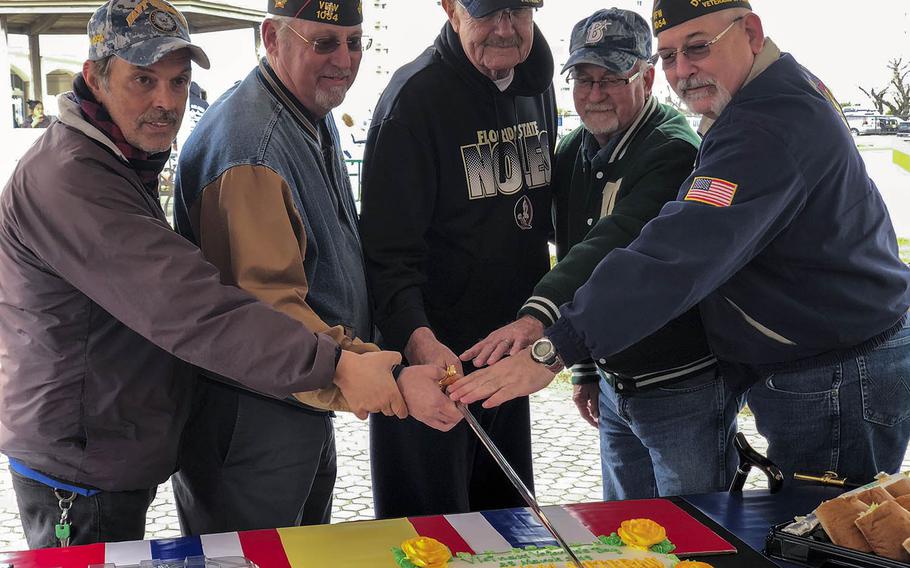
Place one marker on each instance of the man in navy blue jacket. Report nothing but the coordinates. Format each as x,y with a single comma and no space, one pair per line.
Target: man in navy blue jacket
781,238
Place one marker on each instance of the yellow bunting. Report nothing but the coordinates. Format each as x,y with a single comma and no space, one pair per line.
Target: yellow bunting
345,545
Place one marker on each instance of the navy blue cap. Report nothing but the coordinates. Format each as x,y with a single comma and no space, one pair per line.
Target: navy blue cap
481,8
337,12
140,32
615,39
669,13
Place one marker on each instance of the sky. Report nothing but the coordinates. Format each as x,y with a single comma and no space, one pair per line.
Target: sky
846,44
843,44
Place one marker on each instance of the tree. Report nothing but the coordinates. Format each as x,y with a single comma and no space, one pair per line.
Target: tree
895,96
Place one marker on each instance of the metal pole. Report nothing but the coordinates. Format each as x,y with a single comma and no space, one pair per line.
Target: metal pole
6,86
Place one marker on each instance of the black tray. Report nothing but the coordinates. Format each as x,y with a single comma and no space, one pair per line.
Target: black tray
809,551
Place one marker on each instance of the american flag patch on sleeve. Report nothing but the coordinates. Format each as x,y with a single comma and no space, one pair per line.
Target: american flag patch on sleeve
713,191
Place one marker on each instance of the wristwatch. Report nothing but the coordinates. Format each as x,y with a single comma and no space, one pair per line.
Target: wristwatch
544,352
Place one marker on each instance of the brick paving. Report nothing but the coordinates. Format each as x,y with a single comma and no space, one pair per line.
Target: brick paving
566,465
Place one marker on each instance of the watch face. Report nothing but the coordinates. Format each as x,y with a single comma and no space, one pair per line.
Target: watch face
542,350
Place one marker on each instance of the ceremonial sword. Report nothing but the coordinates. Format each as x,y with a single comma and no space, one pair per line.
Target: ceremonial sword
503,463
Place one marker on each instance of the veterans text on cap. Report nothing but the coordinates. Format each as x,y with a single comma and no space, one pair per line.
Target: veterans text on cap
140,32
669,13
481,8
337,12
615,39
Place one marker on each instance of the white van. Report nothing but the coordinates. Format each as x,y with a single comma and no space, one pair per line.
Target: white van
871,123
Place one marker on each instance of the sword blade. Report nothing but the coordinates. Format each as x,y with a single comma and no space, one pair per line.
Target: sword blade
516,481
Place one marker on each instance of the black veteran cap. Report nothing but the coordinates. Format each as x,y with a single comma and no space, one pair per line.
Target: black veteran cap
669,13
337,12
614,39
140,32
481,8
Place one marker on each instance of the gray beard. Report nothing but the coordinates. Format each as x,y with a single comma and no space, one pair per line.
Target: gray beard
330,98
720,100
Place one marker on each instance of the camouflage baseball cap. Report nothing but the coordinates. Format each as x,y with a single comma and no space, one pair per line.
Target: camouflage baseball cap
615,39
140,32
481,8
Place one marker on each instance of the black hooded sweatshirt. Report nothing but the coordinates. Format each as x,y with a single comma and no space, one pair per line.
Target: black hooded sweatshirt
456,194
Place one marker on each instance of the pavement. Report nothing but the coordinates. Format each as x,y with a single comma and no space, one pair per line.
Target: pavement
566,468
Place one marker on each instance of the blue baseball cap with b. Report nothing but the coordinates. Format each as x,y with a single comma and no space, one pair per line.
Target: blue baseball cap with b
481,8
615,39
140,32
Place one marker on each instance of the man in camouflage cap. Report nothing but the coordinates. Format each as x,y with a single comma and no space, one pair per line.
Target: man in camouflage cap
783,242
102,304
612,176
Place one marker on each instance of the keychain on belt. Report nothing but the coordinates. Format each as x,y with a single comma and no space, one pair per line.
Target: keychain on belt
62,529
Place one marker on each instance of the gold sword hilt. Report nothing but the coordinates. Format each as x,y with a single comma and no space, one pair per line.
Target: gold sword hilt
829,478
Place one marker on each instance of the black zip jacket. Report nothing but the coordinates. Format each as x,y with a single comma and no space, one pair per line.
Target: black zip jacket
456,194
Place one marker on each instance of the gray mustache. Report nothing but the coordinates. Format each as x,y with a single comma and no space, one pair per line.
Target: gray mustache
167,116
694,83
503,43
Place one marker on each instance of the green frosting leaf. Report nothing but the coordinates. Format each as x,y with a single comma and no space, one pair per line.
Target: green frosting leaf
663,547
612,540
401,558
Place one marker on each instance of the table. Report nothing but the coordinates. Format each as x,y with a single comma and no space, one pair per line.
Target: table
751,514
743,520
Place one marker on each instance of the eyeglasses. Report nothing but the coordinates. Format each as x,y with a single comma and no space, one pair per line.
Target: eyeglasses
609,84
514,15
693,52
326,45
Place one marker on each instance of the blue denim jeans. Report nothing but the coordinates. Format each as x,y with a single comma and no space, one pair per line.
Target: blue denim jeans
852,417
672,440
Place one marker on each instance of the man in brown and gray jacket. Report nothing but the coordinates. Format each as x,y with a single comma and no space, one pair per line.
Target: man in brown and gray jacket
102,305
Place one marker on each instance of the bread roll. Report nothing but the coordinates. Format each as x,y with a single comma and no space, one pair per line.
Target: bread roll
874,495
903,501
885,528
899,487
907,545
837,517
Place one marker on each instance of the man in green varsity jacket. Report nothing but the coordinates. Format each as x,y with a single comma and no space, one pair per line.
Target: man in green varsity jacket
611,177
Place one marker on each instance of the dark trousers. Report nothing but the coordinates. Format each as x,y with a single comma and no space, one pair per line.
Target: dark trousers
248,462
108,516
421,471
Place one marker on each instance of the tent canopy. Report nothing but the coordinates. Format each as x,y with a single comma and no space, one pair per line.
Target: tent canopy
38,17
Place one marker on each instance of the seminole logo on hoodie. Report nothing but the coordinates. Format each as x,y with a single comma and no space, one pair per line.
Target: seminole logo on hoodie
505,160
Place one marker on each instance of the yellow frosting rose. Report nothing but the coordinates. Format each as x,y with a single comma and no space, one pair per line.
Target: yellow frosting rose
426,552
641,533
693,564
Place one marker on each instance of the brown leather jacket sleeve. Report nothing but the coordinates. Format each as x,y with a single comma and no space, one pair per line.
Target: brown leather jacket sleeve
250,229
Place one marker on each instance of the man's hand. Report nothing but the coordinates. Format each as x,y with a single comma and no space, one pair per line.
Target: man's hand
515,376
426,402
367,384
424,349
586,396
507,340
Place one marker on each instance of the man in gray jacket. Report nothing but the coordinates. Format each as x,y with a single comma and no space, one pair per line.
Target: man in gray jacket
102,305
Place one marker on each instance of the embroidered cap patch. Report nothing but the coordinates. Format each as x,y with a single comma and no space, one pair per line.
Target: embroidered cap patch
712,191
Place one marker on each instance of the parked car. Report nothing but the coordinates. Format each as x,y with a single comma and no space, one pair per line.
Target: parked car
903,128
861,124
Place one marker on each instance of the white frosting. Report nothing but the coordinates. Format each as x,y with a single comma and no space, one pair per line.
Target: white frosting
591,555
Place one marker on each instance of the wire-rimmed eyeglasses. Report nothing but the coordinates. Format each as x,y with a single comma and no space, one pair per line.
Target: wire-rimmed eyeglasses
583,84
693,52
326,45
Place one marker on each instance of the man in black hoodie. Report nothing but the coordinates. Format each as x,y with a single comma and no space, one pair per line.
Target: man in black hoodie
455,221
